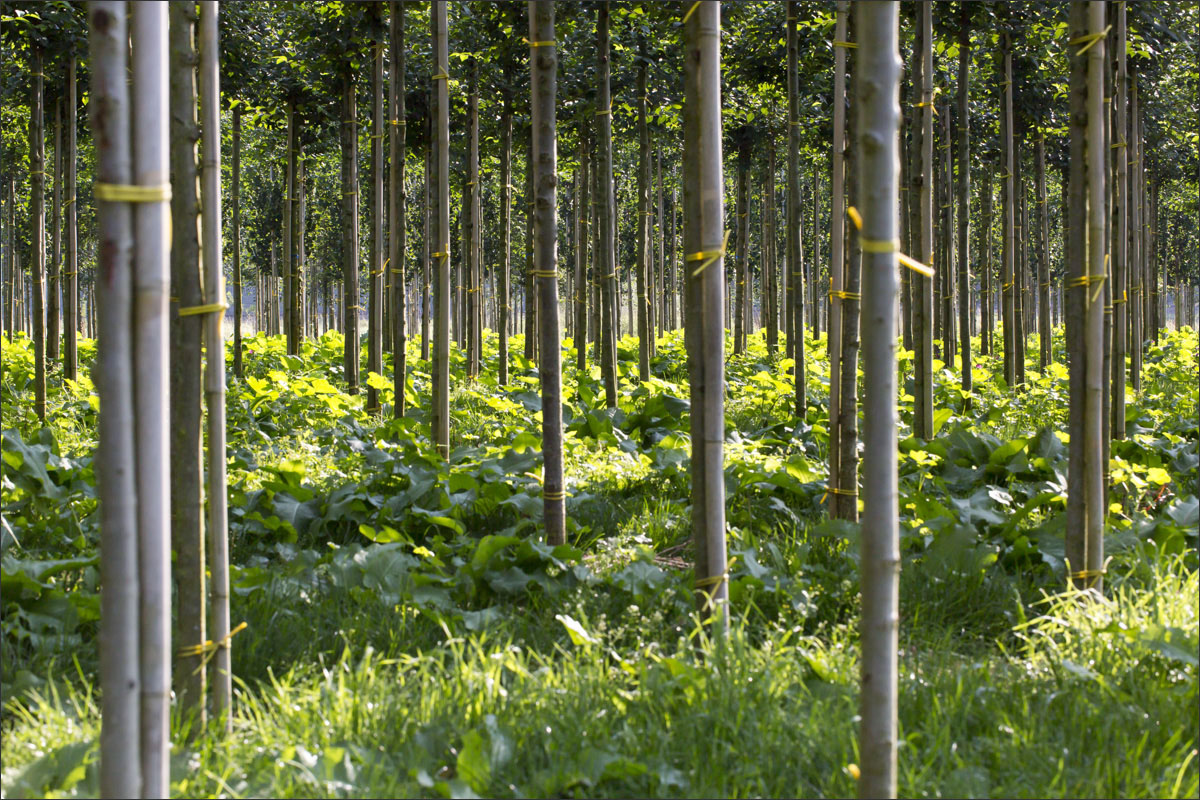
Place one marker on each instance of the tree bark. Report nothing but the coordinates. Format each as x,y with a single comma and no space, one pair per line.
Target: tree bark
964,200
70,285
471,225
1045,331
397,206
543,61
742,255
795,243
704,246
120,773
506,190
642,256
582,207
214,386
375,267
187,500
837,242
236,198
923,177
440,108
37,232
878,80
350,301
1008,194
53,351
152,286
606,261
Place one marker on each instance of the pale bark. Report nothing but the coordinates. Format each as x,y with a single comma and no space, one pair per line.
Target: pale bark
150,355
350,238
964,197
606,257
837,241
878,81
120,771
397,256
37,232
794,295
375,266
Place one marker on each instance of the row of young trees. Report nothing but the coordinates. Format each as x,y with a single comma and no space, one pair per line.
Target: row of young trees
871,300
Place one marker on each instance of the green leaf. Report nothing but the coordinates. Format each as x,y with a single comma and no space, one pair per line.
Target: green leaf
579,636
474,764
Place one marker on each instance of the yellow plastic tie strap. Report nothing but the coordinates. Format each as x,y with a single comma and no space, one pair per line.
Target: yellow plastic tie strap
550,43
553,496
1087,40
845,295
397,122
544,273
914,265
131,193
441,76
929,105
1121,143
209,308
878,245
848,45
708,257
209,648
855,217
690,11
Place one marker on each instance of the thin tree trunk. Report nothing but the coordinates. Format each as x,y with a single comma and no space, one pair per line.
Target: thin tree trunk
472,226
37,233
350,301
878,80
795,243
1008,194
1093,448
837,241
375,268
397,207
845,500
440,415
642,256
214,387
427,249
236,197
1077,295
741,271
53,352
606,261
986,345
582,207
704,247
152,286
543,62
187,499
70,284
964,200
289,215
923,294
116,468
505,299
1135,267
770,287
1045,332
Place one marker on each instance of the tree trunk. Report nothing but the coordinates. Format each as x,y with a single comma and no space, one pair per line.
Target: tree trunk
543,62
837,242
236,197
704,246
1093,447
440,111
878,80
350,299
214,387
985,269
289,220
37,232
641,257
1045,331
964,200
606,261
120,775
53,352
397,206
1136,256
375,268
152,286
70,283
506,190
795,243
472,226
923,178
770,287
1008,195
741,256
187,501
427,248
582,207
845,499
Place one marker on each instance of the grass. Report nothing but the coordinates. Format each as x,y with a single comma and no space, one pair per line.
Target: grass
612,688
